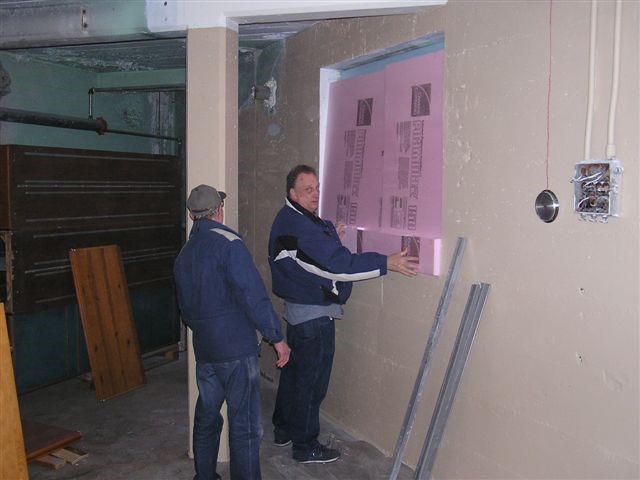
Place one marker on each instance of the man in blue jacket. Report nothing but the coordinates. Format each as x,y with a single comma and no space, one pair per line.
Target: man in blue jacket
223,301
313,273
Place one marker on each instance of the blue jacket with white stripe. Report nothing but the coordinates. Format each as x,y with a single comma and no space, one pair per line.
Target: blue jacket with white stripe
221,295
309,264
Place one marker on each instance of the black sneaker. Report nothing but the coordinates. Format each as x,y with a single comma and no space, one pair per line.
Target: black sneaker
319,454
281,440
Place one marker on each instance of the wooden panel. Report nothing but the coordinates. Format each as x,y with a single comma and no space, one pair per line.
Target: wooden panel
105,310
42,273
40,439
13,462
5,189
56,199
6,283
67,188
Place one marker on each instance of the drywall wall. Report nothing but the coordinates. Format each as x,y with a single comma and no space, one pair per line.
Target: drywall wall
551,385
212,147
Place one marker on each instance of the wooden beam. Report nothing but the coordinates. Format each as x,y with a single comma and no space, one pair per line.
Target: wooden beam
13,462
107,320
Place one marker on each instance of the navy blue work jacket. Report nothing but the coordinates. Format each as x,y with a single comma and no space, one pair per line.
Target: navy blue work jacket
221,295
309,264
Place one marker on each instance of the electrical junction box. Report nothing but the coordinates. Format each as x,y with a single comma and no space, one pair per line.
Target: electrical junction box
596,189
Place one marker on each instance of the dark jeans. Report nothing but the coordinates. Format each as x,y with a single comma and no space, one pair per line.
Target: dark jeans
304,382
237,382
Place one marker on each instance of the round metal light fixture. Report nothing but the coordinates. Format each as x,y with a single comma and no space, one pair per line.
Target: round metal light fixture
547,206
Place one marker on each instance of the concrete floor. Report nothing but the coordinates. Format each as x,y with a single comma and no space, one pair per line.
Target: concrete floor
142,435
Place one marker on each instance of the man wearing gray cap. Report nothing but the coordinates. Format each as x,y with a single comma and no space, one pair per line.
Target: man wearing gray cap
223,300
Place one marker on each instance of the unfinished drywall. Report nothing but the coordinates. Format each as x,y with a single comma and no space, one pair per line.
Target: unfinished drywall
551,385
256,67
212,148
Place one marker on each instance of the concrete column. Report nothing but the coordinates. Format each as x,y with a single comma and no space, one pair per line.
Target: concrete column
212,141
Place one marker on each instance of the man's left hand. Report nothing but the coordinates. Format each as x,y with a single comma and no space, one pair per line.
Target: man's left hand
283,351
401,263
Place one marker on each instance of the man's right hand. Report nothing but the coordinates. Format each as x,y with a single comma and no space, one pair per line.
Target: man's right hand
401,263
283,351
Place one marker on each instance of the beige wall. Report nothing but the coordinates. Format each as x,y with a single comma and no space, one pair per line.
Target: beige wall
212,147
551,386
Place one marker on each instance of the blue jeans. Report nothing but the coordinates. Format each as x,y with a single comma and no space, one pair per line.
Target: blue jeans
237,382
304,382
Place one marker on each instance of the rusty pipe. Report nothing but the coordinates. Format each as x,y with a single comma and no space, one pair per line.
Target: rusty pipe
98,125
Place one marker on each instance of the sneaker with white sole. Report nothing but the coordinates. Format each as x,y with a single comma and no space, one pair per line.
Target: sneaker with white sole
319,454
281,439
281,442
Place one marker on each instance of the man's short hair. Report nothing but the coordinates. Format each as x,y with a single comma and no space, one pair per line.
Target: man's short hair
295,172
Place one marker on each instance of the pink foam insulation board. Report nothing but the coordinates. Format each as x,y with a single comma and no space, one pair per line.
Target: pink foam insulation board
352,171
382,171
412,178
426,249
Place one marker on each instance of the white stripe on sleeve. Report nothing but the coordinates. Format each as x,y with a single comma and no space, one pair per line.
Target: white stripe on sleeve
336,277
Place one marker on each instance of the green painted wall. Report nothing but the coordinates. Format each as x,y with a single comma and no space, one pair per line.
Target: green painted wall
46,88
155,77
49,345
50,88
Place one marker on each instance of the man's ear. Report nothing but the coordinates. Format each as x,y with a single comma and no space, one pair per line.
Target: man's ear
292,195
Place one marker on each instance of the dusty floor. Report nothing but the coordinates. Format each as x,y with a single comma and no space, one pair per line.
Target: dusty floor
142,435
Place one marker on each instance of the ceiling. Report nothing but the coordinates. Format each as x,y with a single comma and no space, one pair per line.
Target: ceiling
148,54
114,35
136,55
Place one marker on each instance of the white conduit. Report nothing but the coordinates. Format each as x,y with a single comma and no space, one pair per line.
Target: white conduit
611,147
592,79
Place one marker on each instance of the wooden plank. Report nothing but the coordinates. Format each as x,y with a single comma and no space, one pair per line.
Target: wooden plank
41,439
125,337
111,380
70,454
13,462
50,461
107,319
171,355
92,318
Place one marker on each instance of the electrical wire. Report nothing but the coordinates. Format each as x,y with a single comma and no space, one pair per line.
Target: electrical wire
549,91
592,79
615,80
